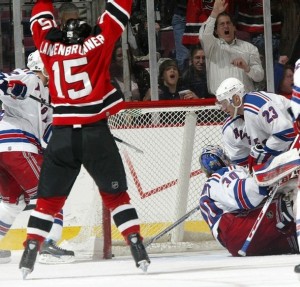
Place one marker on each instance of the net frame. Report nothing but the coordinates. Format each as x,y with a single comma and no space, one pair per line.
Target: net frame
148,125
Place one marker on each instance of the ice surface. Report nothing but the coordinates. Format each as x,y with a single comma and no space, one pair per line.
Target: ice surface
207,269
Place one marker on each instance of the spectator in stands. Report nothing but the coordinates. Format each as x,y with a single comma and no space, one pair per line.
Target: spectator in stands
196,14
231,201
227,56
169,87
194,78
283,77
67,10
290,30
139,76
178,23
250,20
166,11
140,25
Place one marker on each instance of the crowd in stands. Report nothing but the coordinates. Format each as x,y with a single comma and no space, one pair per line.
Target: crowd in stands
231,42
204,43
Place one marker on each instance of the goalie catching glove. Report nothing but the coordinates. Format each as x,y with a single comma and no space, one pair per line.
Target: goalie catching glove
16,89
257,156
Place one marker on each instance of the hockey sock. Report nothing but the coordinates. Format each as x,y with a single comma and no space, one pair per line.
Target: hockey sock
42,217
8,214
57,227
123,213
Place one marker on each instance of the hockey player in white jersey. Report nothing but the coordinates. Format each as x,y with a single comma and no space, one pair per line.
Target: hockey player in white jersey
236,141
230,204
295,101
24,132
295,111
267,122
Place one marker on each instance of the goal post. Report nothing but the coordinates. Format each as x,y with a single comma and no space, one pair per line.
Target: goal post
164,180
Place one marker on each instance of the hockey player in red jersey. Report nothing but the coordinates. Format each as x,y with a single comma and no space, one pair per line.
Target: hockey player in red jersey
83,98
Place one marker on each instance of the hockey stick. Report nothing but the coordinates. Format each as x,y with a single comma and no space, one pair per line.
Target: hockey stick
258,220
43,101
128,144
169,228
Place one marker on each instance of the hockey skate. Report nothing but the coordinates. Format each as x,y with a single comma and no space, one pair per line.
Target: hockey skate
297,270
138,251
5,256
50,253
28,258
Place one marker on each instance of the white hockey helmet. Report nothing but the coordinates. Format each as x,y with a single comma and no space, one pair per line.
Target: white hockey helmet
34,61
230,87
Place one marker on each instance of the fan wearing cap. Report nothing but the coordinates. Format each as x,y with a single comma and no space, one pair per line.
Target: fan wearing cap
230,202
259,118
169,82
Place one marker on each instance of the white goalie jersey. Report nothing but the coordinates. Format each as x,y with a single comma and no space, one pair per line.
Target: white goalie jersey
26,124
230,189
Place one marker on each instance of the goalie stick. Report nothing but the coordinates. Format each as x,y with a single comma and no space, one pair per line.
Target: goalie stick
258,220
169,228
43,101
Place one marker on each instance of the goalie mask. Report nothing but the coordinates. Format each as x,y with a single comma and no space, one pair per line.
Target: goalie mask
75,31
212,159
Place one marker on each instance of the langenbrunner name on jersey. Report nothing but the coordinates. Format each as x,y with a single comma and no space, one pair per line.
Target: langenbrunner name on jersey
63,50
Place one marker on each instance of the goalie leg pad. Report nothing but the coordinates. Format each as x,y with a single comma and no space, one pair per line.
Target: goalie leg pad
278,168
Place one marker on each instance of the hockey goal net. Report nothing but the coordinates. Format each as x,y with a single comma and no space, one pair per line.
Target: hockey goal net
160,143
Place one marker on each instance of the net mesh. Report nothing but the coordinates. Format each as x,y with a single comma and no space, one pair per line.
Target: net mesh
152,143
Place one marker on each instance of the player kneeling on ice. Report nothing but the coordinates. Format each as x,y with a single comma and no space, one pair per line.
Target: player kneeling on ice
231,201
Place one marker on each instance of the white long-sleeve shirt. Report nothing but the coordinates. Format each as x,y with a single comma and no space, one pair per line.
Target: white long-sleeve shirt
219,55
26,124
